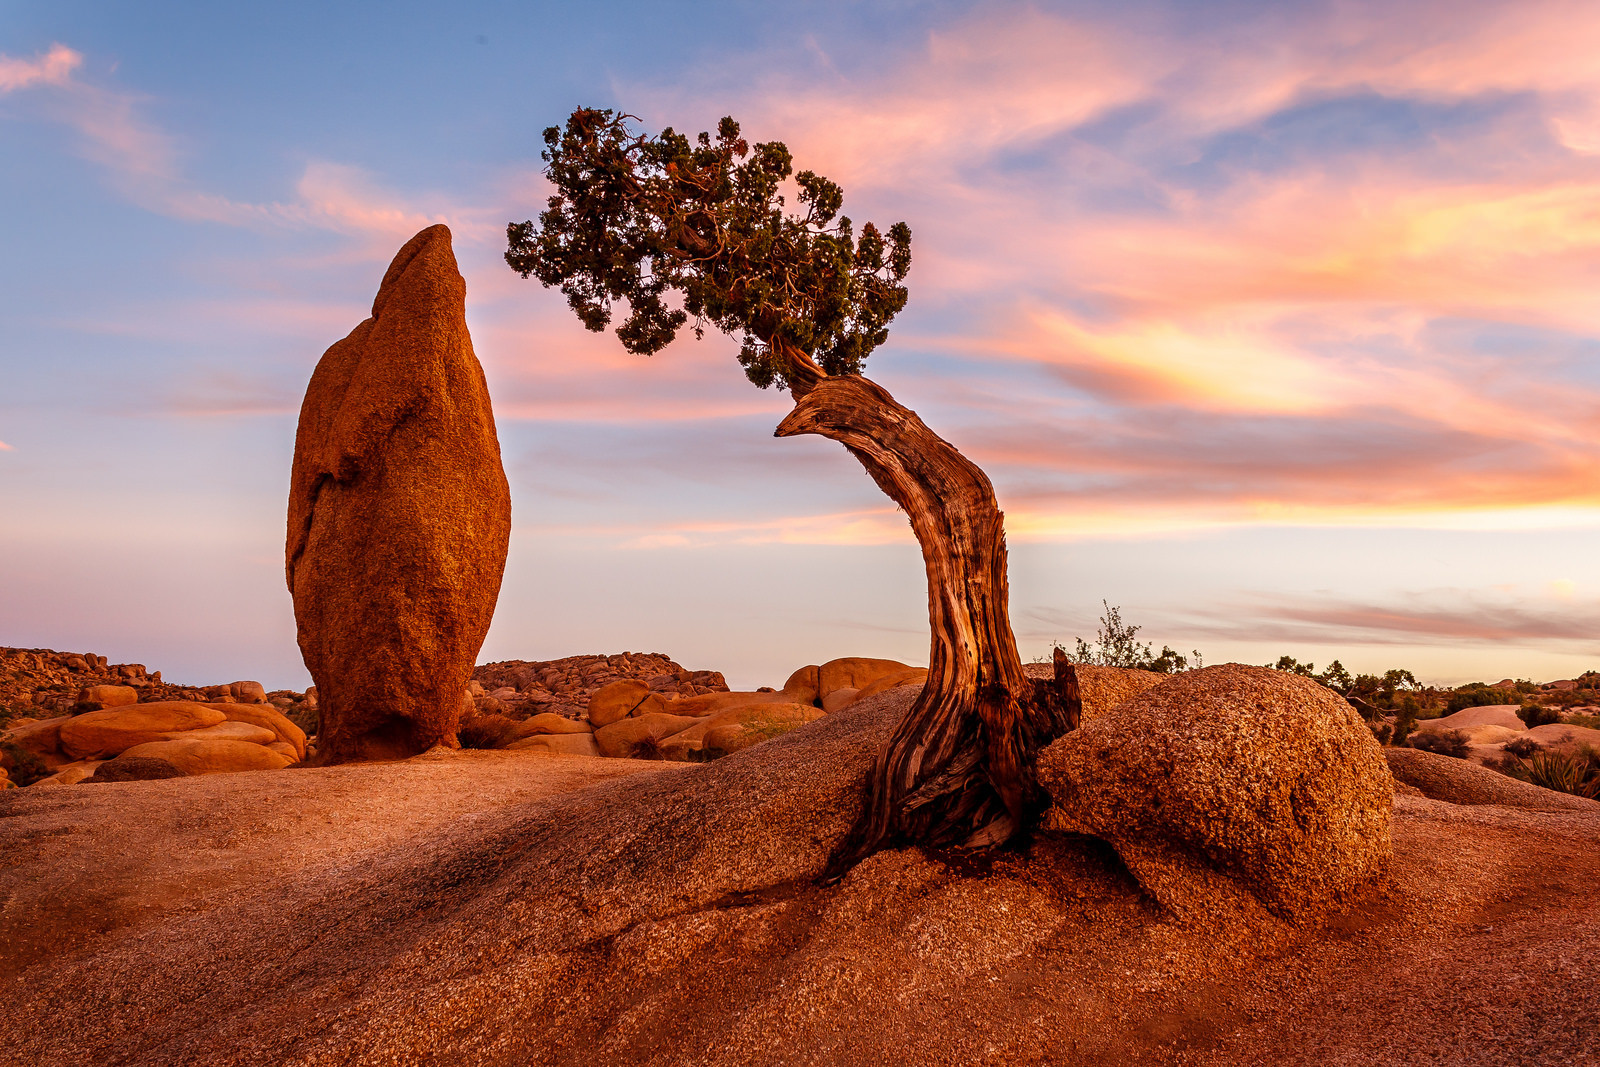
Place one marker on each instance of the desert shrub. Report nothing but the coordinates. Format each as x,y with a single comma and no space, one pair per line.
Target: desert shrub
304,716
1588,722
1444,742
1562,772
646,747
1404,723
1538,715
481,730
1381,730
1116,645
1475,695
1522,747
22,766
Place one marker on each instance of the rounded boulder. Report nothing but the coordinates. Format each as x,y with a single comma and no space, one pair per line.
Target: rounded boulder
115,730
638,737
1226,780
561,744
134,769
615,702
855,672
206,755
96,697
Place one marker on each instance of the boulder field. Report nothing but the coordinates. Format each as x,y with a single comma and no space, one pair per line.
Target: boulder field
160,739
509,907
630,718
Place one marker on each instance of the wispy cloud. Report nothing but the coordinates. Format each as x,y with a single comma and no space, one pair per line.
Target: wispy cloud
142,161
6,448
1444,618
54,67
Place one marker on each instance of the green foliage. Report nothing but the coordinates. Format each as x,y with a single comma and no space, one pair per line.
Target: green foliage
1475,695
1372,695
639,219
1404,724
1538,715
1117,645
1444,742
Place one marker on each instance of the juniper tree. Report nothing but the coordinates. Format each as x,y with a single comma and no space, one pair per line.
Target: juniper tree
696,233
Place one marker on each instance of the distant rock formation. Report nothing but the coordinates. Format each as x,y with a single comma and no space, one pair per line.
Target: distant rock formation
399,516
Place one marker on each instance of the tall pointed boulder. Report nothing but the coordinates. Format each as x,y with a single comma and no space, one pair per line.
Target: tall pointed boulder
399,516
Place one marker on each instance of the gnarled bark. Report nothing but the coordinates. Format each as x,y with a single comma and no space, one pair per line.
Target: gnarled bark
958,769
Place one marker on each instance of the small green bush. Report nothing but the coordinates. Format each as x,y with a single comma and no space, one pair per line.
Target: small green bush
1403,725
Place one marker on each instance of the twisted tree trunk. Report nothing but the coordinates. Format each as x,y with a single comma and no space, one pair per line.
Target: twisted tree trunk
958,769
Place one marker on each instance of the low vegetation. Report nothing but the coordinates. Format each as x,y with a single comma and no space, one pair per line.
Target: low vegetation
1444,742
484,730
1577,773
1117,645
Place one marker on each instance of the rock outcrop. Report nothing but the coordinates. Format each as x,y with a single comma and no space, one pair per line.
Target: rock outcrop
1229,779
1459,781
508,908
399,516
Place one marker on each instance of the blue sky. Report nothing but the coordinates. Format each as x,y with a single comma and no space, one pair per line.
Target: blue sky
1273,324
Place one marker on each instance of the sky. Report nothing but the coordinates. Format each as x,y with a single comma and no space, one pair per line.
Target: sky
1276,324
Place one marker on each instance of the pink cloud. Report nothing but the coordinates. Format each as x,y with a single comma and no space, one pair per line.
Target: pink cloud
873,526
6,448
55,67
1302,293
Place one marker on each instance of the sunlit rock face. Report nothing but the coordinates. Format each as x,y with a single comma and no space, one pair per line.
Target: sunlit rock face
399,515
1229,781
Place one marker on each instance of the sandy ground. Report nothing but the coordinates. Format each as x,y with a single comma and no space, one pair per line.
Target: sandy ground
515,908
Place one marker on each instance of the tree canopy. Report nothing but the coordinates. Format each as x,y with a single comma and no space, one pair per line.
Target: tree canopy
637,218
